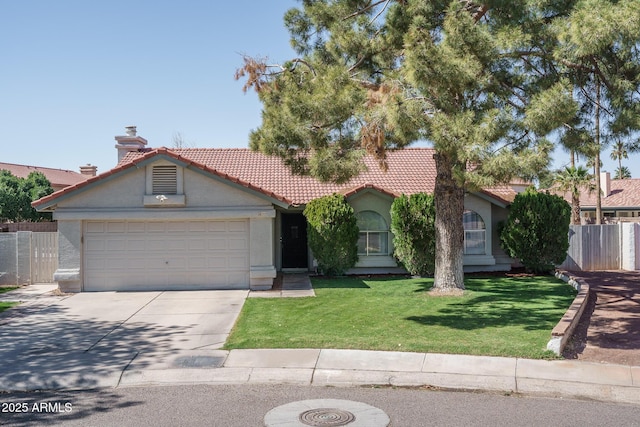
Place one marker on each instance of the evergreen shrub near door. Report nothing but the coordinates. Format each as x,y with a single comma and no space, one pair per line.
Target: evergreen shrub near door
333,233
414,232
537,230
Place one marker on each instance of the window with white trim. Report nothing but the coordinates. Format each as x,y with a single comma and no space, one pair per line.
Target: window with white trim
474,233
374,234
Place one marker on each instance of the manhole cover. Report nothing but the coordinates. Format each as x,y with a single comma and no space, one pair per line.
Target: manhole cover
326,413
326,417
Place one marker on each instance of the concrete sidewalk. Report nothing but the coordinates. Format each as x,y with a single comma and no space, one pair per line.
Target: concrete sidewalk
120,339
353,368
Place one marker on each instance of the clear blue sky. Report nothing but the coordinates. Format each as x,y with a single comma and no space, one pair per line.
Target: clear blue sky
76,72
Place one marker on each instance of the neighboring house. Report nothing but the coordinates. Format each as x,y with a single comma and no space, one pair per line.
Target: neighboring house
206,218
620,200
59,178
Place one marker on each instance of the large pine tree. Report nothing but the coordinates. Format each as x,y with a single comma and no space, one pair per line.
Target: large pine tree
376,75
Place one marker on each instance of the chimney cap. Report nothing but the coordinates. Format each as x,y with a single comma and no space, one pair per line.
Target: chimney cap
89,170
131,130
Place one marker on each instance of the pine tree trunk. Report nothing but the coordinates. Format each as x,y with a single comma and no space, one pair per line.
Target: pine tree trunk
597,157
449,201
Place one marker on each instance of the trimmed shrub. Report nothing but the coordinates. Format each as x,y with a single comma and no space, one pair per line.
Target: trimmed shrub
414,232
537,230
333,233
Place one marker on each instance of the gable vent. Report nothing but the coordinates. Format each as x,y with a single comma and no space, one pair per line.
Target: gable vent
165,179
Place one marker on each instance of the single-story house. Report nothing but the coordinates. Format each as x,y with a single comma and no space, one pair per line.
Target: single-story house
59,178
207,218
620,200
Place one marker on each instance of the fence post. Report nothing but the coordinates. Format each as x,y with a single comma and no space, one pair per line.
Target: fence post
628,249
23,257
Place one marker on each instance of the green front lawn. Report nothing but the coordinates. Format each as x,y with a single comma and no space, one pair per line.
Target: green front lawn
497,316
6,305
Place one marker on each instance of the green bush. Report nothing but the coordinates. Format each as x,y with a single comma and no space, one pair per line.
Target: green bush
333,233
537,230
414,232
16,195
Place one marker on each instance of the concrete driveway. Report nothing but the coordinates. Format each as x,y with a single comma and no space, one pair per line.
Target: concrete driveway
87,340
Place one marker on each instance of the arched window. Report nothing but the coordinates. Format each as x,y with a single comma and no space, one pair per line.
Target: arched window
474,233
374,234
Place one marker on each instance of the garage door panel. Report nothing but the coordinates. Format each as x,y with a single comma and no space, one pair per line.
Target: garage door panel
238,226
216,227
197,226
95,227
138,255
197,244
217,244
156,227
136,227
236,262
197,263
116,227
176,227
176,245
94,245
237,244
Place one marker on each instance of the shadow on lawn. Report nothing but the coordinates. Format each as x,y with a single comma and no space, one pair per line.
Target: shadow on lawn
496,303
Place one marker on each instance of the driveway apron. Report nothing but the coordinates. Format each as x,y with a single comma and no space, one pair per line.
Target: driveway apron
88,340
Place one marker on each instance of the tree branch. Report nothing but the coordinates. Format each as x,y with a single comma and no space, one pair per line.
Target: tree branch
365,9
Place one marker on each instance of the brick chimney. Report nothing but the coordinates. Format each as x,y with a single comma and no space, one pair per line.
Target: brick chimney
89,170
129,142
605,183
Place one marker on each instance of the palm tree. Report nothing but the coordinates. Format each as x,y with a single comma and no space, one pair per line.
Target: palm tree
620,151
622,172
575,179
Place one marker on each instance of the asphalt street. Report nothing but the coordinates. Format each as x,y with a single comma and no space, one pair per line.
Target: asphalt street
246,406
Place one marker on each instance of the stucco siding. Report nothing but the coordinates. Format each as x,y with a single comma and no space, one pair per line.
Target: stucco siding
128,191
203,191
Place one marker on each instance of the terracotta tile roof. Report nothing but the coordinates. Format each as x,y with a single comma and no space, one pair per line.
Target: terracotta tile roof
624,193
411,170
503,193
58,178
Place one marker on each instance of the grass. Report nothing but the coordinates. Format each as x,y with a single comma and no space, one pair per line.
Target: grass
6,305
496,316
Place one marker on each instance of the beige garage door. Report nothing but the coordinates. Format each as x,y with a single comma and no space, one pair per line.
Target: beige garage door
162,255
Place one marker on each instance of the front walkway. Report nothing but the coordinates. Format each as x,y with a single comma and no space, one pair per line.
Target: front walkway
287,285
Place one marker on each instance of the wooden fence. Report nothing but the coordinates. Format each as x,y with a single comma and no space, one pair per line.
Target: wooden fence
603,247
39,227
27,257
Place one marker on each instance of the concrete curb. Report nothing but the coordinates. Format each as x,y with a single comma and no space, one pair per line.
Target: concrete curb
565,327
358,368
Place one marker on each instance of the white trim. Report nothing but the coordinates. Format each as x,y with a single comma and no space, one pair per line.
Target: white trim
162,214
479,260
164,201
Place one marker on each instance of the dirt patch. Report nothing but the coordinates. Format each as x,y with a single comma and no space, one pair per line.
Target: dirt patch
609,329
446,292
